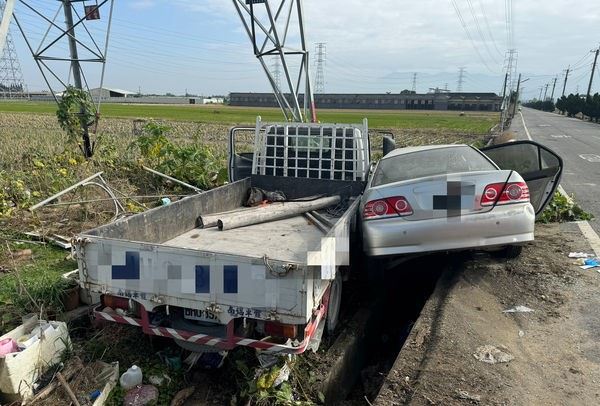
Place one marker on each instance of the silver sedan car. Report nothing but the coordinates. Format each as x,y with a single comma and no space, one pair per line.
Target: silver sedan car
456,197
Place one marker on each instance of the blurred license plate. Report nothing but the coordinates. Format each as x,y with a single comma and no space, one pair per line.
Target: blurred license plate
200,315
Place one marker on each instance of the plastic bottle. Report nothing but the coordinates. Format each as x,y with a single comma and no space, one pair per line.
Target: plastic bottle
131,378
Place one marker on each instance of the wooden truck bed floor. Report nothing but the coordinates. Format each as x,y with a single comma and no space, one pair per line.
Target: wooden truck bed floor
283,240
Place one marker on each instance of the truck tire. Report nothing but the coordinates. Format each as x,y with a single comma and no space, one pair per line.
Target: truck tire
335,301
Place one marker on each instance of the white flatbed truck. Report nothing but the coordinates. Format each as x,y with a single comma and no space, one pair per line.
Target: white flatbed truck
273,286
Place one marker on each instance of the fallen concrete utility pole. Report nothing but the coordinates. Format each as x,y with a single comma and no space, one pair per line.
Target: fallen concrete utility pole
210,220
272,213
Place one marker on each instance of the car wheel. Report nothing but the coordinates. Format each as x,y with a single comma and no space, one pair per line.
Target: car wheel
510,252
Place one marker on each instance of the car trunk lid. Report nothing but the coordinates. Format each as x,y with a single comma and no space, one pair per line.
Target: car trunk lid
450,196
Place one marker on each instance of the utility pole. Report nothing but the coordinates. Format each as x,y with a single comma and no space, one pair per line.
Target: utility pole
504,87
414,82
553,87
514,109
461,78
546,91
541,90
566,78
592,75
76,71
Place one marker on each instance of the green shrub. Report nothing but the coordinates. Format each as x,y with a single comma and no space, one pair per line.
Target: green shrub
563,209
197,164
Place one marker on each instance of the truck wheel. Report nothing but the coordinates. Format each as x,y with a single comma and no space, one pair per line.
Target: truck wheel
335,300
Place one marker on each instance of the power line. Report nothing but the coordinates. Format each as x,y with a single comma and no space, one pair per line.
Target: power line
466,29
479,31
489,29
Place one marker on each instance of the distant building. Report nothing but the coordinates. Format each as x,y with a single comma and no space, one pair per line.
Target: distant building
385,101
213,100
106,93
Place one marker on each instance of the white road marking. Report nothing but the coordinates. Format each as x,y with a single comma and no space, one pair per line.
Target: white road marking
589,233
544,125
525,127
561,136
590,157
585,227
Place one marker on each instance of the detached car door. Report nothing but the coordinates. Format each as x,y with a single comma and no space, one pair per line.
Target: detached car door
539,166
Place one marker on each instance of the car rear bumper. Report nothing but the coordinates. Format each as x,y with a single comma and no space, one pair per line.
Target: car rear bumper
504,225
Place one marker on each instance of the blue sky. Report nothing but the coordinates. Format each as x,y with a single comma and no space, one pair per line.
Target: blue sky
169,46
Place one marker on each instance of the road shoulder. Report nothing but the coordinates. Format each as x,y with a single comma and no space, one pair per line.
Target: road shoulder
556,348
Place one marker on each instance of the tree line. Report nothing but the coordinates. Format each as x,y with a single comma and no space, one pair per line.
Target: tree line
571,105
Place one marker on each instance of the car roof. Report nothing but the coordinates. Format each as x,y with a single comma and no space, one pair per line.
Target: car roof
410,150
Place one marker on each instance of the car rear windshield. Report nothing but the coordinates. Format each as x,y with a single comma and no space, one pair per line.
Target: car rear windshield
430,162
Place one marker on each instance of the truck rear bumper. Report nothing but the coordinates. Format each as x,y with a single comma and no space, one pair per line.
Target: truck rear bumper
228,343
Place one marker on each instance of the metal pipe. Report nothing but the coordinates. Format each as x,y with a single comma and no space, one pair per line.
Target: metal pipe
194,188
67,190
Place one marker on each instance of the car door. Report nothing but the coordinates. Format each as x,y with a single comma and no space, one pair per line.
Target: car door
241,140
539,166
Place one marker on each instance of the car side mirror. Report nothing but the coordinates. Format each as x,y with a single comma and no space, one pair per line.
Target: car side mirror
389,144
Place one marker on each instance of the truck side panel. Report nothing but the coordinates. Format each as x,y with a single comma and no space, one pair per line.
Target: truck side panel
163,223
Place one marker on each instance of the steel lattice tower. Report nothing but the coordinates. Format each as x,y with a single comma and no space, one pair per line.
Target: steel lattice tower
461,78
276,72
12,84
414,82
320,60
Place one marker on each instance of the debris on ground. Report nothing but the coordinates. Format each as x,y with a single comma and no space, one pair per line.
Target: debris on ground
580,255
22,254
141,396
590,263
463,394
131,378
492,355
519,309
182,396
40,344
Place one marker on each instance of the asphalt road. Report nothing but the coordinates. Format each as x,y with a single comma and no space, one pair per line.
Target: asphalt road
578,142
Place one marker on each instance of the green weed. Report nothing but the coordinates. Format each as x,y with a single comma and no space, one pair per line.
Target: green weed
563,209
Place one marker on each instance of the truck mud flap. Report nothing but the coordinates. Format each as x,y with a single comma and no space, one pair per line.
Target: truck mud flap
220,343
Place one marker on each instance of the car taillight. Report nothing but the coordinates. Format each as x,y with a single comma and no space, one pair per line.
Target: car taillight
389,206
517,192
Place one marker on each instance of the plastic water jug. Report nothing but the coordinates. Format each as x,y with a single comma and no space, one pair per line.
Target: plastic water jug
131,378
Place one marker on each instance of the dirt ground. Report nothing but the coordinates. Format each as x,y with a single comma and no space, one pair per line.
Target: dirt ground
556,348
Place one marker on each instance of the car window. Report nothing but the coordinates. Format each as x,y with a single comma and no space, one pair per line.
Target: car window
429,163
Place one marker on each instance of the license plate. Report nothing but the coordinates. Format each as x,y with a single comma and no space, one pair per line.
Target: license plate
200,315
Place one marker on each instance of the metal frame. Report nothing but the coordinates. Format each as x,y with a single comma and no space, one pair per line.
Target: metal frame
347,145
43,53
269,33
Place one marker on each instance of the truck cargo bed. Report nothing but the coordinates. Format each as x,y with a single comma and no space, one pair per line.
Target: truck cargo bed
285,240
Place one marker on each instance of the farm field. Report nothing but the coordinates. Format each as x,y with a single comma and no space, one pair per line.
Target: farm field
38,159
472,122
